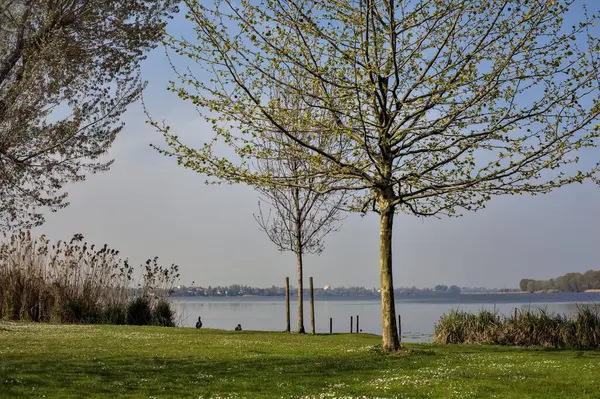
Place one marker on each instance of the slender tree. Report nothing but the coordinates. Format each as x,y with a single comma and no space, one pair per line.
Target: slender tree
68,70
305,212
442,104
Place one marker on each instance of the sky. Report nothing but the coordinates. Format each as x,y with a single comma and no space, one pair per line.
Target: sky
147,206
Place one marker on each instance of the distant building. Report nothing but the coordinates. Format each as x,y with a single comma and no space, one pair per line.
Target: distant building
327,287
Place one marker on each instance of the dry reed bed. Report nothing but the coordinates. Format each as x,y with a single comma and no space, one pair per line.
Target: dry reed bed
76,282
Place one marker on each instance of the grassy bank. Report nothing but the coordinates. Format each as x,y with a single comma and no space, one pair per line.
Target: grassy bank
92,361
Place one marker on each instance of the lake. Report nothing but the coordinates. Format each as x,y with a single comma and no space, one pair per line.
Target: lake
418,314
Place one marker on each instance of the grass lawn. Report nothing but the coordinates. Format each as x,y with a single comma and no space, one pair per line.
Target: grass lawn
84,361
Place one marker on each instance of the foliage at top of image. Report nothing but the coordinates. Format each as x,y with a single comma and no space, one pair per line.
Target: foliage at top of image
68,70
74,281
439,105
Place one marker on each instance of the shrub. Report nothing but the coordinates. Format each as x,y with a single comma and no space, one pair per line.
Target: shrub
139,312
115,314
524,328
163,315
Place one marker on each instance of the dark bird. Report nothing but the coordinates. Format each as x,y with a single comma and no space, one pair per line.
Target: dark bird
238,328
199,323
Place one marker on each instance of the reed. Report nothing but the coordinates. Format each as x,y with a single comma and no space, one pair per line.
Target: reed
524,328
76,282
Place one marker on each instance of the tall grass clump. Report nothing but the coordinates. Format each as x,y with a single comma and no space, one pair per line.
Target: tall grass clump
524,328
75,282
585,329
457,326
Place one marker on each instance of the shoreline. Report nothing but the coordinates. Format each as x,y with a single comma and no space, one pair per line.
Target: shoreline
463,298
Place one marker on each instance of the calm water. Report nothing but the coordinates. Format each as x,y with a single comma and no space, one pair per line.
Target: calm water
418,315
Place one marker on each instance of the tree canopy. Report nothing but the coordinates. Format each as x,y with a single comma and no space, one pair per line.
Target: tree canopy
441,104
68,70
570,282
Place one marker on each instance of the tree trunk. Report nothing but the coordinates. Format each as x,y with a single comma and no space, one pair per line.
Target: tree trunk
312,306
300,295
299,253
391,341
287,304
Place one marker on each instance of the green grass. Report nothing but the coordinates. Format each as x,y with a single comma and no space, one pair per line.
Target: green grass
86,361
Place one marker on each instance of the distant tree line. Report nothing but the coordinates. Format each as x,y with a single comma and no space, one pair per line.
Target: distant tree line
570,282
230,290
244,290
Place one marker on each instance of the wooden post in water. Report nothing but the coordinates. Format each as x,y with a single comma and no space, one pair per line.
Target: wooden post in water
351,323
399,328
312,305
287,305
357,325
331,325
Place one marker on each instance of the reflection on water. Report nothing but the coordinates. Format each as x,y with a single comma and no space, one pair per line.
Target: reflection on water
418,318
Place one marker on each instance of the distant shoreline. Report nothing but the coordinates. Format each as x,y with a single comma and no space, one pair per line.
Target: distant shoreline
525,292
463,298
504,293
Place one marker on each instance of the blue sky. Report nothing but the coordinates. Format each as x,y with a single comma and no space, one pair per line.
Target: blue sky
147,205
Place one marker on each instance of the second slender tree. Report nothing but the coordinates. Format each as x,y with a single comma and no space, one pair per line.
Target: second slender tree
305,211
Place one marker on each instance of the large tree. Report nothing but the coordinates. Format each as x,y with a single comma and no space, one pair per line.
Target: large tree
442,104
305,211
68,70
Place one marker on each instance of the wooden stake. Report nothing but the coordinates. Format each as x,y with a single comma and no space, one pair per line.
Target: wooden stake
357,325
351,323
399,328
287,305
312,305
331,325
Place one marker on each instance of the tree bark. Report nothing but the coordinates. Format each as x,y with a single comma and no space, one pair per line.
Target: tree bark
391,341
300,295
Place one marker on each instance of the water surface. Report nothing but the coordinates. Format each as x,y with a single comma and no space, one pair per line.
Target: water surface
418,314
